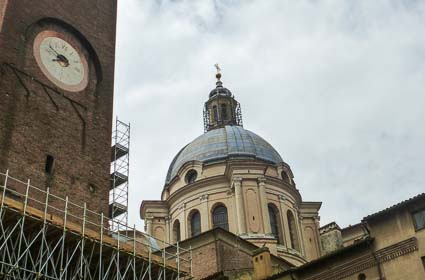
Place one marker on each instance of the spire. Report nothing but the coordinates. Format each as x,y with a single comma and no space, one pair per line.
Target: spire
218,76
221,109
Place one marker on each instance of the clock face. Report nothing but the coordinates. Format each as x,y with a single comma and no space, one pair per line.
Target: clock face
61,59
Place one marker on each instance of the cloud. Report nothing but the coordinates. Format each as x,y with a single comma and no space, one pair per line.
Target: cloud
336,86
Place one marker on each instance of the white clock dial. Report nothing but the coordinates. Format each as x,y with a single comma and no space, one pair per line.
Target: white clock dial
61,61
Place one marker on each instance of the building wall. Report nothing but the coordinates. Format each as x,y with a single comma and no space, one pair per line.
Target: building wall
204,261
385,245
36,121
395,228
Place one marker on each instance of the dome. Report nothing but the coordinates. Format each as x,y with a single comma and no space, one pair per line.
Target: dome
219,90
222,143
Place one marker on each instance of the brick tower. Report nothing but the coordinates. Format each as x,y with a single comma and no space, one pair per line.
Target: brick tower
56,95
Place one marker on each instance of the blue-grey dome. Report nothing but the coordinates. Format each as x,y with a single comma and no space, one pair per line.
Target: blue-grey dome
222,143
220,91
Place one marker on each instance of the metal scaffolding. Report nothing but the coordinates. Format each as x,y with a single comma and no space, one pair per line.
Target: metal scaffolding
216,119
120,162
54,238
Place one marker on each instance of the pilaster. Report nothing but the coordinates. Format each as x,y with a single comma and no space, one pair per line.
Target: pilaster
240,213
264,207
203,208
148,221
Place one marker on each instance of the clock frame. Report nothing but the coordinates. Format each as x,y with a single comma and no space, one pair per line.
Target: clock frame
59,56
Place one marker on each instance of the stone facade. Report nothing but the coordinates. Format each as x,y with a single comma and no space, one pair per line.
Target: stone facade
247,188
42,124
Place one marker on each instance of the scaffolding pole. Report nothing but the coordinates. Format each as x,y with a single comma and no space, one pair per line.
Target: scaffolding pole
64,240
120,163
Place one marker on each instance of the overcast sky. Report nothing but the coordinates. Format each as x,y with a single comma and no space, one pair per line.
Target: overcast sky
337,87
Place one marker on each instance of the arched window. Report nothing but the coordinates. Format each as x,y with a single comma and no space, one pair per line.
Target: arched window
223,112
176,231
275,223
285,176
195,223
292,231
362,276
215,113
191,176
220,217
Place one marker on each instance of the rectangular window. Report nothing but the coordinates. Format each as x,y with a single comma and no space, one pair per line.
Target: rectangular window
423,261
50,163
419,219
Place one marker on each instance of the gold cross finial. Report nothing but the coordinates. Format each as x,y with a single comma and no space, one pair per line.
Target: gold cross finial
218,75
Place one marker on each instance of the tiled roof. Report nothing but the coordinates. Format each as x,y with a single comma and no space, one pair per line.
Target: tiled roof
395,207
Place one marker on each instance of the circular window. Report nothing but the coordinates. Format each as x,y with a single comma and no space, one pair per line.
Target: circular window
191,176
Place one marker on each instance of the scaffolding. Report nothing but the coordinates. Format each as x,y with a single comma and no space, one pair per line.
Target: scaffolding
217,119
120,162
54,238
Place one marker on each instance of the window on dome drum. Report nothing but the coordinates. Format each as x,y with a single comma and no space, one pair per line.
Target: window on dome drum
292,231
419,219
215,113
275,223
220,217
285,176
176,231
191,176
223,112
195,223
361,276
423,261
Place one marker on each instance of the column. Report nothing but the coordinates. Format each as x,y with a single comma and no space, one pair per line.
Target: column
148,221
183,221
240,213
205,214
284,226
167,229
263,202
300,230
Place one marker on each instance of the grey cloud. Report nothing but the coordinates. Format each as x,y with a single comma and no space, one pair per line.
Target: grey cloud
336,86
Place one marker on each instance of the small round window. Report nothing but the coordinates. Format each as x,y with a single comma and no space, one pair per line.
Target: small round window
191,176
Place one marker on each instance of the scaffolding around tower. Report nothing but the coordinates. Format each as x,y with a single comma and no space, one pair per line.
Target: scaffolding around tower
45,236
120,163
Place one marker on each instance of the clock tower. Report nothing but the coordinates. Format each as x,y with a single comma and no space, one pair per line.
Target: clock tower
56,95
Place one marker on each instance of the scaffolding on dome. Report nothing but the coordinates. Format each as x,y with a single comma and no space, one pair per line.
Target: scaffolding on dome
44,236
120,162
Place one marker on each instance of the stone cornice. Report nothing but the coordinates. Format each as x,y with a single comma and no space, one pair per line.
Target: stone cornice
285,252
149,204
197,185
289,188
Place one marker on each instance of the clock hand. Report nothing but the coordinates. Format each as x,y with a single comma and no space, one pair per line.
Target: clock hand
54,50
62,60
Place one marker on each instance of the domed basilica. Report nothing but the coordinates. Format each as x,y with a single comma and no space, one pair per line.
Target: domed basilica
230,177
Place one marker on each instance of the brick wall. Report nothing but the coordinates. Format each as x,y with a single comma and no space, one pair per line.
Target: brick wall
36,121
231,257
204,260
